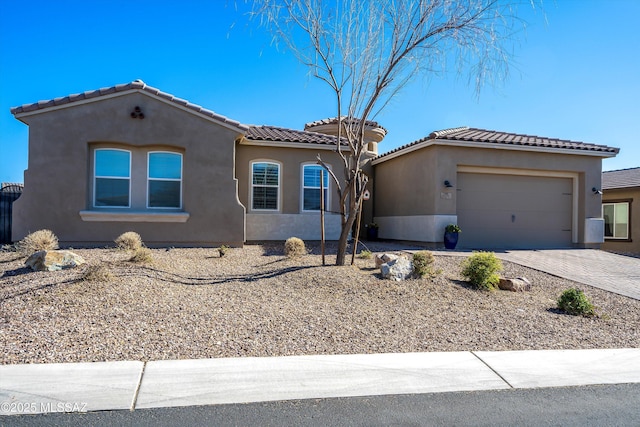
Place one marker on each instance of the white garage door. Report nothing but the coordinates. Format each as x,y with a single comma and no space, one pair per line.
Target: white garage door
512,211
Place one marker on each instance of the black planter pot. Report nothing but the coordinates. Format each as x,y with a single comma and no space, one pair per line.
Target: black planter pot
372,234
450,239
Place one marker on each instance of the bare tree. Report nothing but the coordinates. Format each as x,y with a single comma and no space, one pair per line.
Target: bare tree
368,50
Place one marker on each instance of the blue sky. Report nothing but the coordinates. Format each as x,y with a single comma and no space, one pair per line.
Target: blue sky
576,76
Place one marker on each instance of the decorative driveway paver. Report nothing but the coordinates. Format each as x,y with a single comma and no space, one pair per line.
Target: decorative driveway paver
615,273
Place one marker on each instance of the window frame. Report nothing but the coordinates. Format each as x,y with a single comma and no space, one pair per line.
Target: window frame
278,186
96,177
614,203
149,179
303,187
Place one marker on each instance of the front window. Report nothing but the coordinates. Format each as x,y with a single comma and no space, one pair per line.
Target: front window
265,186
616,220
112,178
164,180
311,187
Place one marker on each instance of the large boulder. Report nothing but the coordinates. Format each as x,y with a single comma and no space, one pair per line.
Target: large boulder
519,284
385,258
53,260
397,269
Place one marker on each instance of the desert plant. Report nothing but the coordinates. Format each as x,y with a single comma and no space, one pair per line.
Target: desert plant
141,255
294,247
365,254
574,301
222,250
423,264
97,273
452,228
129,241
41,240
481,269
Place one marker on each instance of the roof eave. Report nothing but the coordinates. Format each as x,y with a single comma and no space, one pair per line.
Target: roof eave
491,145
289,144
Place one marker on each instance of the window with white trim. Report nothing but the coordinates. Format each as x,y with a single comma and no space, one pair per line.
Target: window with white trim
311,187
265,186
112,178
616,220
164,180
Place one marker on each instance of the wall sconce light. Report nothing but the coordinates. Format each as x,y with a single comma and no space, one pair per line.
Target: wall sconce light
137,113
596,191
448,184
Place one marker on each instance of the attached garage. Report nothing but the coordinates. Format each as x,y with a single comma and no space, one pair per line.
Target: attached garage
514,211
504,190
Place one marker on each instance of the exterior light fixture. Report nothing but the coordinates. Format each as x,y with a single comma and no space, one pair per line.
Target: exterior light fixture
596,191
448,184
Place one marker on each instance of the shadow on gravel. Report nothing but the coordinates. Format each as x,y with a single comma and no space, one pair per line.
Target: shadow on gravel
17,272
199,281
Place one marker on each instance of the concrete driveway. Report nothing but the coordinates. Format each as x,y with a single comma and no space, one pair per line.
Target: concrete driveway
615,273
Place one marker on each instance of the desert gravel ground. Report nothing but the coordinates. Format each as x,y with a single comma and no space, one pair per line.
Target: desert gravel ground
191,303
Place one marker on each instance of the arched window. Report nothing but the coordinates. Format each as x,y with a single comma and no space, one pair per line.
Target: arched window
112,178
164,180
311,187
265,186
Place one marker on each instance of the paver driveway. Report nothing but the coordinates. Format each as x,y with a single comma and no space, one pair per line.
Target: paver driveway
615,273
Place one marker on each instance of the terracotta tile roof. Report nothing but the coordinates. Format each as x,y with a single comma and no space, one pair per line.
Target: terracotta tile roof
466,134
623,178
333,120
278,134
134,85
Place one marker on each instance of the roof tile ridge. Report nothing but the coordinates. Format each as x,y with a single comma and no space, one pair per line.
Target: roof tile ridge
445,132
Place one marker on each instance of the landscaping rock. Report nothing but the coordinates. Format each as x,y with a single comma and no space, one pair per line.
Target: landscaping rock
385,258
519,284
53,260
398,269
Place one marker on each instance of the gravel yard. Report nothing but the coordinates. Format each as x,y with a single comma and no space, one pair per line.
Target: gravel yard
190,303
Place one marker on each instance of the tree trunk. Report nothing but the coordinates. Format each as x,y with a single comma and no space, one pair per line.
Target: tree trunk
344,236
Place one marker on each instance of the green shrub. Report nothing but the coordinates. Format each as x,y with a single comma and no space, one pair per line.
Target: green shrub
294,247
481,269
365,254
141,255
423,263
574,301
41,240
222,250
129,241
97,273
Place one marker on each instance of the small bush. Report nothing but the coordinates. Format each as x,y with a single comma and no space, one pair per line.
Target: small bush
222,250
423,264
294,247
141,255
365,254
574,301
41,240
97,273
129,241
481,269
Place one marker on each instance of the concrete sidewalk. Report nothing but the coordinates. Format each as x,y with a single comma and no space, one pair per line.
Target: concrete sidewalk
80,387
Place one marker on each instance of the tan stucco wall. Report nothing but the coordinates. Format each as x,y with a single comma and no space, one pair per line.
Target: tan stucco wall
413,184
631,195
58,182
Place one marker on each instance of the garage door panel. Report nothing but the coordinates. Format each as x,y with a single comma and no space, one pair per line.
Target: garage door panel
505,211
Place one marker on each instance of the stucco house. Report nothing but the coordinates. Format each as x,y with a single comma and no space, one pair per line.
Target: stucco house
621,215
131,157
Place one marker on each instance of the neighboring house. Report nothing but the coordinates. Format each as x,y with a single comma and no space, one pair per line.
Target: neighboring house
131,157
621,210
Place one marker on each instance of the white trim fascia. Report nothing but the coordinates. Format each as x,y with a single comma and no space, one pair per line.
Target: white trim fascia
574,176
491,145
236,128
279,144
